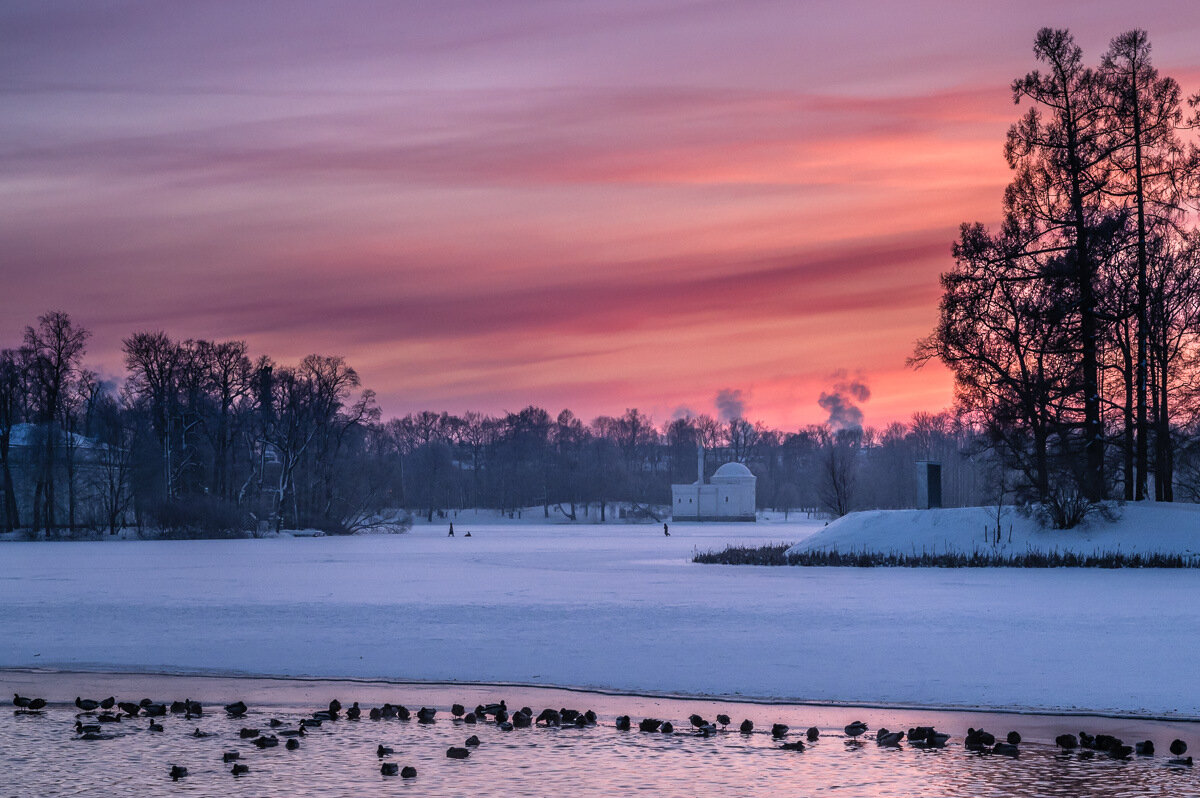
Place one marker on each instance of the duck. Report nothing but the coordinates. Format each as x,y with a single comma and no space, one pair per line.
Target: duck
389,769
383,751
1013,738
812,733
354,712
20,701
292,732
1007,749
937,739
105,717
568,716
154,710
590,717
108,703
454,752
155,727
779,730
402,712
978,740
335,707
797,745
855,729
292,744
458,710
230,756
247,734
426,714
472,741
376,713
86,704
239,768
551,717
1120,751
1145,748
91,728
267,741
236,709
1178,747
469,718
177,772
129,708
667,728
521,720
649,724
1067,742
623,723
200,734
889,739
408,771
697,721
747,726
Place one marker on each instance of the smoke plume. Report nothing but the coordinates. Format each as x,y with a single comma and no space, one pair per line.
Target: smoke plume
841,401
731,404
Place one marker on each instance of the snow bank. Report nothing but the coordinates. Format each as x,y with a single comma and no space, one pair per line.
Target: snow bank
1141,528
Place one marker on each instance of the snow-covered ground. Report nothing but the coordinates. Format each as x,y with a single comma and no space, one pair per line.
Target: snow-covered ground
619,607
1140,528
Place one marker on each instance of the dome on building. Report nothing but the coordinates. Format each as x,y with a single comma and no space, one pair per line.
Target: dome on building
732,471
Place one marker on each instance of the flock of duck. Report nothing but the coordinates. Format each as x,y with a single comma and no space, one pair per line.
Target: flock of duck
94,717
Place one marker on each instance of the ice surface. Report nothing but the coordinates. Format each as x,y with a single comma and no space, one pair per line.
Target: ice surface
616,606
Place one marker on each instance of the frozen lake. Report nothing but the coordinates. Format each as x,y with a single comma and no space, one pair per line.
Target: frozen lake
619,607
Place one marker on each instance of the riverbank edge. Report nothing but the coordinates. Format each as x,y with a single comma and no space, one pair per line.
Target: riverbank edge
612,692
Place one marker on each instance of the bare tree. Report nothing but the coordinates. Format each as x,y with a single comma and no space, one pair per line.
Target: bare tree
54,350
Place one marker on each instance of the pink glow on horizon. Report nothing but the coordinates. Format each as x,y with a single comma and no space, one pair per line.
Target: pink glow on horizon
589,205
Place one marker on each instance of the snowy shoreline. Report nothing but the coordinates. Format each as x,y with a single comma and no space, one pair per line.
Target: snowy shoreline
1139,528
59,687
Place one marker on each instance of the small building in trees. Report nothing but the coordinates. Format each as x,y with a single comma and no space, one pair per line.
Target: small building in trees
729,495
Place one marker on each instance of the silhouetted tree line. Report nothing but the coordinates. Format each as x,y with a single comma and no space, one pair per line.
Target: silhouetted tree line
1072,329
200,438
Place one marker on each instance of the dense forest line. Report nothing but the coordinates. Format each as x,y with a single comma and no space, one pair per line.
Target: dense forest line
201,438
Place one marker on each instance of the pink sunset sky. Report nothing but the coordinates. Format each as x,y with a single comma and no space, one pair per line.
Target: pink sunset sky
593,205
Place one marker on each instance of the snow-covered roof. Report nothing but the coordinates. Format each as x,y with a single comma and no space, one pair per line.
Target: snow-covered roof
732,471
29,435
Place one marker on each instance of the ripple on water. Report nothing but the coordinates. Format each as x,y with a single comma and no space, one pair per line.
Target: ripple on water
40,756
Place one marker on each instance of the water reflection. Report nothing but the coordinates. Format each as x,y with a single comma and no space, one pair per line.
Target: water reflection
39,755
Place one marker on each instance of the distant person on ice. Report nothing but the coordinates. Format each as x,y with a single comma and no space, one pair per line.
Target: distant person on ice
451,531
665,532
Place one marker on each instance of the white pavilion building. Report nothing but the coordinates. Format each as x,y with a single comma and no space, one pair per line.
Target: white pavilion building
727,496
